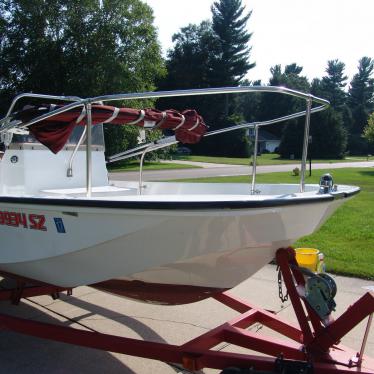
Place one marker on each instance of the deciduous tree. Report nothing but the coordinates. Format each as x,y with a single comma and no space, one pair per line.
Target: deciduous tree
369,129
82,48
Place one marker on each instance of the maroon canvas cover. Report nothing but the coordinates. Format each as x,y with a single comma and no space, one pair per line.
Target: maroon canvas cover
54,132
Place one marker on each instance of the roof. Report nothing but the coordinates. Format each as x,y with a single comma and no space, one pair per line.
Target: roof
265,136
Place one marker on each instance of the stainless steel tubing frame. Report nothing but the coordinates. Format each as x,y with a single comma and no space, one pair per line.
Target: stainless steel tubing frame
69,172
254,160
305,144
89,150
7,123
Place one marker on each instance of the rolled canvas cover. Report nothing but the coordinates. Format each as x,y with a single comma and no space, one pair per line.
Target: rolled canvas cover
54,132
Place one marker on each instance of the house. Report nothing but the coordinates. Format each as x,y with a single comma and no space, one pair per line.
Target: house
267,142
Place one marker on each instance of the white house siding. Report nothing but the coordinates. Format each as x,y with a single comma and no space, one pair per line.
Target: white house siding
270,145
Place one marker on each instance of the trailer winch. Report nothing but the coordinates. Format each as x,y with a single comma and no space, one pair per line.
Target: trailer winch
320,290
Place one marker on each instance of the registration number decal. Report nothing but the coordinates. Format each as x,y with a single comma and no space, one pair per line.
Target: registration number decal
27,221
59,225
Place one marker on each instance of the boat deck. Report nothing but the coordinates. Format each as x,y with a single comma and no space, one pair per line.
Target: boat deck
196,193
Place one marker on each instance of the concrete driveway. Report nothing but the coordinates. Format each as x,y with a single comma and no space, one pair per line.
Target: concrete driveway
94,310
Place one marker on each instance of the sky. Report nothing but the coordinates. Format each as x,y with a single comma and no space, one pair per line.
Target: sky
286,31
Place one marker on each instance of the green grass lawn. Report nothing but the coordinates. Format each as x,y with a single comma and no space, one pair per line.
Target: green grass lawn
347,238
264,159
148,165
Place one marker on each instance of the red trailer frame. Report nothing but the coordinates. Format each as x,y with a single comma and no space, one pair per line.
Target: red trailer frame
314,347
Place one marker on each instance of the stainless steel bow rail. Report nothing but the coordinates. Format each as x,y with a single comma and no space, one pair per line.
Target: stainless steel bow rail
8,124
312,346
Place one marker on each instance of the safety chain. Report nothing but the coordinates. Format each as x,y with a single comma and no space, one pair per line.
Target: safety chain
282,297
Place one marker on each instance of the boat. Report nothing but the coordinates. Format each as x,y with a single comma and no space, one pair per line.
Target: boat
64,223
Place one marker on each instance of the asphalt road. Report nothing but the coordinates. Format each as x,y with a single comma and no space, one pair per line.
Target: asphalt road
214,170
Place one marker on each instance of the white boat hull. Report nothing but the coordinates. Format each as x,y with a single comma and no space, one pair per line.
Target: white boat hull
209,248
63,223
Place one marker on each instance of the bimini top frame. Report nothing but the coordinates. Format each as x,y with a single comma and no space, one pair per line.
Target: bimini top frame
7,124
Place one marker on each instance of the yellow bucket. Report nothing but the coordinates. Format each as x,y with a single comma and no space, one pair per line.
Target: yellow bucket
307,258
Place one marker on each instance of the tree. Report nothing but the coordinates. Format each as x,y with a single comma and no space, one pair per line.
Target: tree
83,48
329,128
369,129
291,78
212,54
330,87
189,62
276,105
229,25
361,94
249,105
329,136
188,66
333,84
230,65
361,103
326,128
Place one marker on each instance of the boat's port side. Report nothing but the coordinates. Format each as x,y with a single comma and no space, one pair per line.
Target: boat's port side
26,171
201,247
27,166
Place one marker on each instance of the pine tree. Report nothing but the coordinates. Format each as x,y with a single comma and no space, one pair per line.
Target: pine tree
332,88
333,124
361,94
213,54
275,105
333,84
361,103
326,128
229,25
